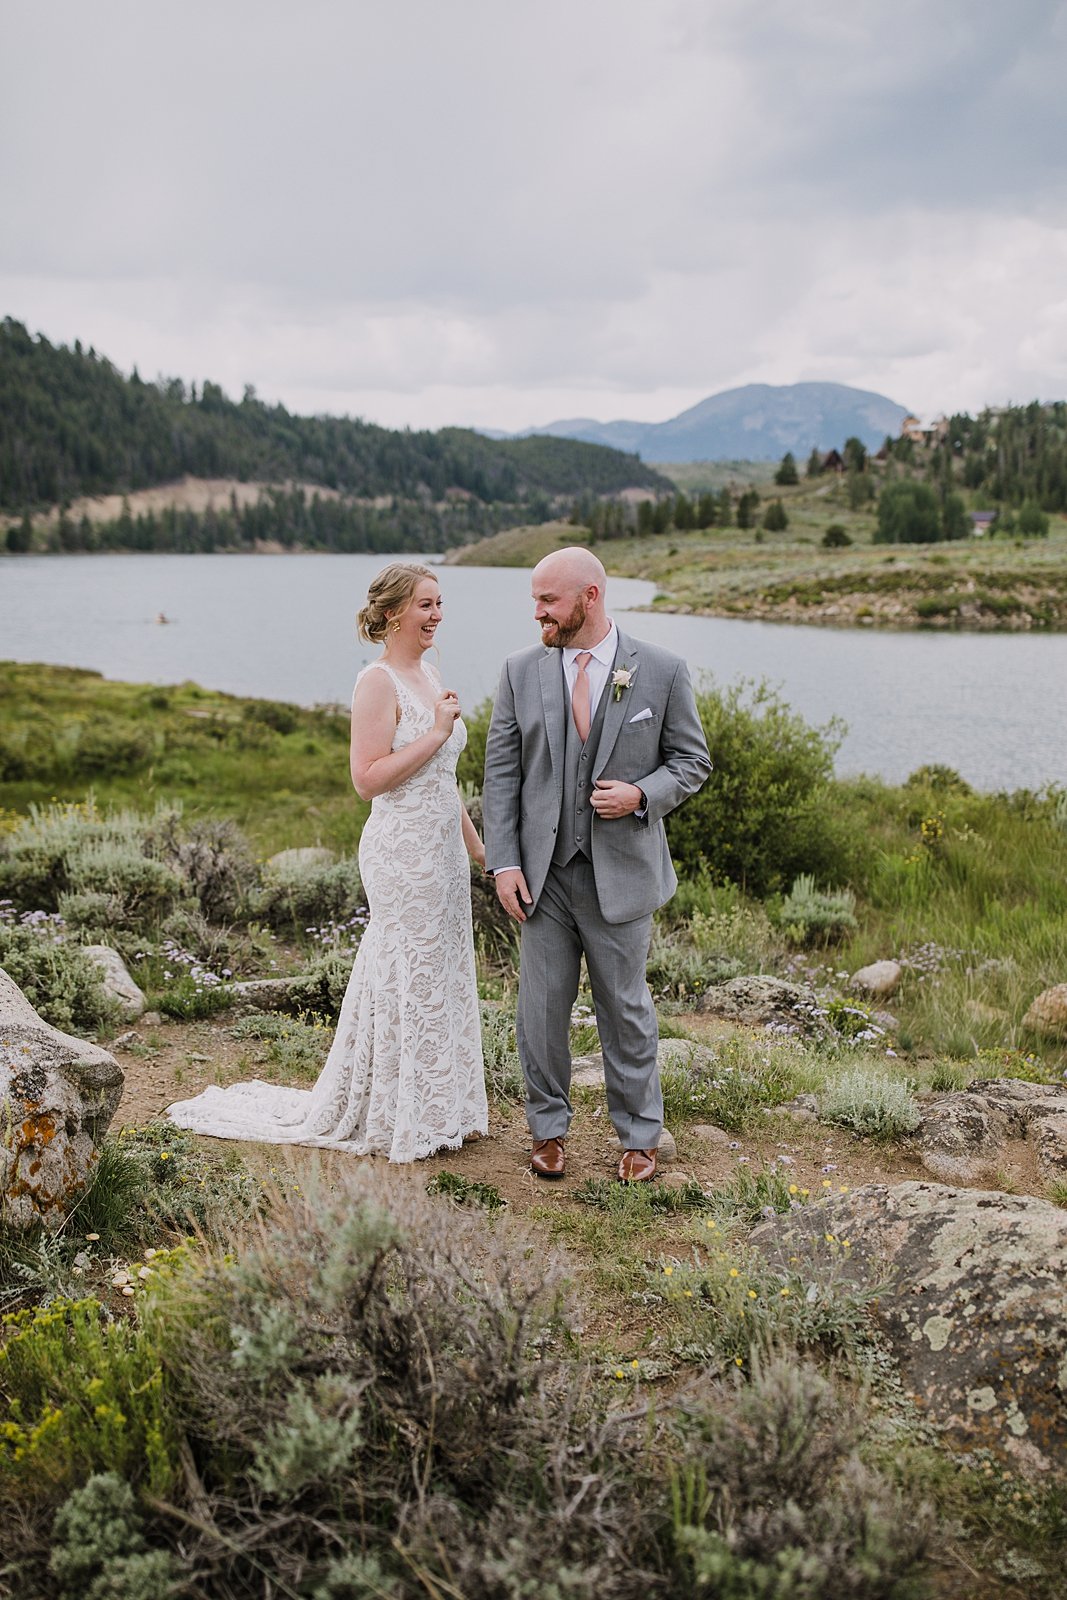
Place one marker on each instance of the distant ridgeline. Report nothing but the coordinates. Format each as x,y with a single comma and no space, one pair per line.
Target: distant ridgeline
71,425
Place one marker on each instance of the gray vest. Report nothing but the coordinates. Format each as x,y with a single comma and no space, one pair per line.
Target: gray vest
576,814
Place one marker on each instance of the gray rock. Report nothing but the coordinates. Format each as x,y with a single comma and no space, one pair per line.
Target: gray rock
298,863
762,1001
960,1137
1035,1111
976,1309
587,1072
264,994
58,1095
1048,1012
708,1133
152,1019
117,981
879,980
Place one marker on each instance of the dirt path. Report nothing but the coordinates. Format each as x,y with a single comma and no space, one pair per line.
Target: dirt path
176,1060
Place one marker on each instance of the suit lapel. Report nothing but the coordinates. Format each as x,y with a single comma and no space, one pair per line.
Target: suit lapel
616,710
555,709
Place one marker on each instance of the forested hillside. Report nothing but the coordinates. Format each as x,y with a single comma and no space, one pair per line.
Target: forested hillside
1008,456
71,424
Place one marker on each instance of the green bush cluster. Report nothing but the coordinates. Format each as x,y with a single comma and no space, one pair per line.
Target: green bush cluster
766,812
58,979
368,1400
870,1103
808,915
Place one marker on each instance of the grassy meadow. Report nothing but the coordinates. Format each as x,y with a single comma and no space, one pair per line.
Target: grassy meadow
238,1372
789,576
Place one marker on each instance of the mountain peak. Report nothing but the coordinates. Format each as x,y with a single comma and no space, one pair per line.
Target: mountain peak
759,421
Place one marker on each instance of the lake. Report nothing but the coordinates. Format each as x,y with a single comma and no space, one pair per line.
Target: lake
283,627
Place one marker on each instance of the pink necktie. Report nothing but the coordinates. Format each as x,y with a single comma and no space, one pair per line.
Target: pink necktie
580,697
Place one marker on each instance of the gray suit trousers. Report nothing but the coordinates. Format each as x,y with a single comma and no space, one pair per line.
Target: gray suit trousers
565,923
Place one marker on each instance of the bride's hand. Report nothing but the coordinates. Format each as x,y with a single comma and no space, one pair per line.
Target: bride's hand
477,854
446,710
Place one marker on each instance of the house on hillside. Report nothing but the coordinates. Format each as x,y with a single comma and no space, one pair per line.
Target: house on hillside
925,433
982,522
832,461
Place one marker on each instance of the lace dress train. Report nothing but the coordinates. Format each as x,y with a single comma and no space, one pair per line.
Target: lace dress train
404,1076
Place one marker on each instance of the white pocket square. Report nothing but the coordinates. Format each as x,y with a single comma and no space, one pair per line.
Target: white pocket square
642,716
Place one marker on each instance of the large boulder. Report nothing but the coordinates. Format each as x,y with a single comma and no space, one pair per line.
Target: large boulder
960,1137
58,1095
879,980
117,981
762,1001
1048,1012
975,1311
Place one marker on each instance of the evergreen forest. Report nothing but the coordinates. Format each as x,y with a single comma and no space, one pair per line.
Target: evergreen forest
71,424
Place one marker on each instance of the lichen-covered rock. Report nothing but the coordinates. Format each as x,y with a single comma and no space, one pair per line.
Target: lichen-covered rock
117,981
1048,1012
879,980
1035,1111
975,1311
58,1095
960,1137
761,1001
265,994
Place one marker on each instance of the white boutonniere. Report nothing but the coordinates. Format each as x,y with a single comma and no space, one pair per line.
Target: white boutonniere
621,679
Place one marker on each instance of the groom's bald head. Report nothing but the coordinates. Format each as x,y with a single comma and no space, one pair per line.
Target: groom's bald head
569,597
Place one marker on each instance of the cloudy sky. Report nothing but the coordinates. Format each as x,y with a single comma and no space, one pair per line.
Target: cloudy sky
501,212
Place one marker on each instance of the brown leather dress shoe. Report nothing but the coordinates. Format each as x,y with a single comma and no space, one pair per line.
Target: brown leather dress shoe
547,1159
637,1166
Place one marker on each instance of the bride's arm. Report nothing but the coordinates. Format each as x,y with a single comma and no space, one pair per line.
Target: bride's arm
375,766
472,839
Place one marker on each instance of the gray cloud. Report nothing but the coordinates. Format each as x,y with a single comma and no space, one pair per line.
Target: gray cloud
500,214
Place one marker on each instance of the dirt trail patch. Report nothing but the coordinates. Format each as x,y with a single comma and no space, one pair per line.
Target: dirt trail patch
177,1060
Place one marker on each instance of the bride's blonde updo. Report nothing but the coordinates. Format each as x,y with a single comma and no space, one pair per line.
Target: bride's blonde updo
390,591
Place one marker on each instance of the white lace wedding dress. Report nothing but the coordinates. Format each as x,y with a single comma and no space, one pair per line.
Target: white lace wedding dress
404,1076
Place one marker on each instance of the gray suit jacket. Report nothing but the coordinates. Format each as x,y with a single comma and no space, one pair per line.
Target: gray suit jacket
665,754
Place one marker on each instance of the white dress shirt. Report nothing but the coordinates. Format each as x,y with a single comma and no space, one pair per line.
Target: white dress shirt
599,669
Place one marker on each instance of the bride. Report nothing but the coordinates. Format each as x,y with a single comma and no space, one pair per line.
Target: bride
404,1076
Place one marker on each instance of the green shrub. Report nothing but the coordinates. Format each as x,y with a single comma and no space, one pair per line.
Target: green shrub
471,766
57,978
765,814
677,968
211,855
105,746
908,513
503,1071
85,1394
808,914
141,889
835,538
772,1500
775,518
188,1000
298,901
942,779
870,1103
99,1548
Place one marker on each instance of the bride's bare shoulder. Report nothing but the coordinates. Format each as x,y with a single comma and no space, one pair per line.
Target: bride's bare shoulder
374,687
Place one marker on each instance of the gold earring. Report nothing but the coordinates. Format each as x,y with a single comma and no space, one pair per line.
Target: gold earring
394,627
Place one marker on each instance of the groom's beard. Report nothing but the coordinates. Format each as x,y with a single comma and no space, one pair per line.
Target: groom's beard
556,635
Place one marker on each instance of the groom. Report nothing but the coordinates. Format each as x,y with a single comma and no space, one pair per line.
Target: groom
594,739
